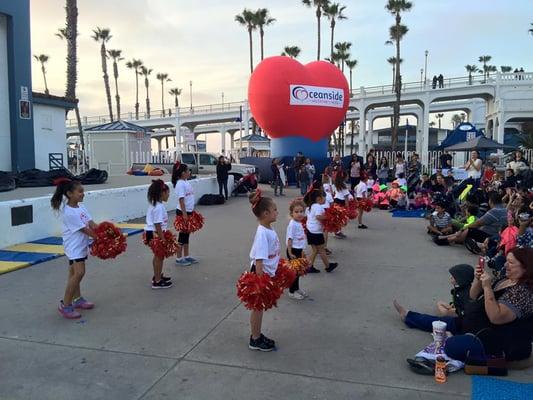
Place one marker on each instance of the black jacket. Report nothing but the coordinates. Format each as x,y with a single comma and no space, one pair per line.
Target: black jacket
222,171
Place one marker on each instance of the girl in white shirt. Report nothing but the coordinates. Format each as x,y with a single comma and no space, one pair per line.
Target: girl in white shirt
264,256
296,243
361,192
78,228
185,194
327,185
341,195
314,200
157,223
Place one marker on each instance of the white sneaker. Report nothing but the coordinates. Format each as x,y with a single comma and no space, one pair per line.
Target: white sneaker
183,262
296,296
302,292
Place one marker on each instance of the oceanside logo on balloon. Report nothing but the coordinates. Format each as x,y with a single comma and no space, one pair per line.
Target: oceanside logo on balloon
316,96
290,99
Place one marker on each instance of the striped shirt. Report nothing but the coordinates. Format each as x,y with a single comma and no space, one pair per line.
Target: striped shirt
440,221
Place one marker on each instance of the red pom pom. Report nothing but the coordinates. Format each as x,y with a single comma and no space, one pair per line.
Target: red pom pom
365,205
258,293
285,276
351,209
299,265
194,223
109,242
336,218
163,248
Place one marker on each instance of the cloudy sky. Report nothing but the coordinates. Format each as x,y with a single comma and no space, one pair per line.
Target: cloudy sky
199,41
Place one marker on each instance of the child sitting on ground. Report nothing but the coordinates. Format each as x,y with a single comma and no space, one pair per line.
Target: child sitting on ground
394,194
440,222
461,278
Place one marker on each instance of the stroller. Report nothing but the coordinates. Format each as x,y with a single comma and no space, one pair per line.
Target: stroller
246,184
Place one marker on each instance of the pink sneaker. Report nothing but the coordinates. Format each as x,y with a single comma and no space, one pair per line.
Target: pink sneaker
82,304
68,311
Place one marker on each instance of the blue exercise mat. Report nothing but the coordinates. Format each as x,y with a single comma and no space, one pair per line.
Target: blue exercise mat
485,388
409,214
54,240
32,258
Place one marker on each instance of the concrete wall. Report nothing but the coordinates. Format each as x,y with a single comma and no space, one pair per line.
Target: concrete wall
5,131
117,205
50,134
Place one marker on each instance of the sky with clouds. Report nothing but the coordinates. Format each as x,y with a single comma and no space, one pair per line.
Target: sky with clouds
200,42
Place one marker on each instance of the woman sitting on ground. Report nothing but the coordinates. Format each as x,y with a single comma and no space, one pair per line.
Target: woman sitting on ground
499,317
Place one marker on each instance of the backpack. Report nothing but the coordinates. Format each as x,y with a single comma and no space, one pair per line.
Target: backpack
211,200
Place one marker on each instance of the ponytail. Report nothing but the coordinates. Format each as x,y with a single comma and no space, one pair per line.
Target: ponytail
63,187
177,170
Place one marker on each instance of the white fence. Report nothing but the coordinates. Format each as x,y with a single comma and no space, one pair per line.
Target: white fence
148,157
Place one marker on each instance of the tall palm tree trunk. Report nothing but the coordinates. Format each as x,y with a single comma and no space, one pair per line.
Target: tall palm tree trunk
251,50
106,81
398,88
162,98
147,99
136,94
71,31
117,97
176,103
44,76
352,137
261,34
350,82
332,40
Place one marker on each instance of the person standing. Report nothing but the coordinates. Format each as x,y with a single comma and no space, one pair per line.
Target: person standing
383,170
355,171
399,168
371,167
223,167
473,166
434,82
297,166
441,81
276,177
415,167
446,160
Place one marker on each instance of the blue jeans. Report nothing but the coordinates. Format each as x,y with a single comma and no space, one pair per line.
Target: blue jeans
303,187
424,322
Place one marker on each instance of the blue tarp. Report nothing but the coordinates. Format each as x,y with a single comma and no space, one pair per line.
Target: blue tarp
462,133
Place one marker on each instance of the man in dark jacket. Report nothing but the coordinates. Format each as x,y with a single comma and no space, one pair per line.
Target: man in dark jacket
223,167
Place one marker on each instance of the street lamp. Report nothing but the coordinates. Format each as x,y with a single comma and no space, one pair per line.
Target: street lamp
190,92
222,100
421,77
426,67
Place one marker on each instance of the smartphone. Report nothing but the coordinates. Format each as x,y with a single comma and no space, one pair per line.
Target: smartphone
481,265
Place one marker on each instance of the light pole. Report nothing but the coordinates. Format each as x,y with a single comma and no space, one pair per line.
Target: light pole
222,100
190,92
421,77
426,67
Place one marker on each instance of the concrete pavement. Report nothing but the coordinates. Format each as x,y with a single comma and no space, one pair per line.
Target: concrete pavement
190,342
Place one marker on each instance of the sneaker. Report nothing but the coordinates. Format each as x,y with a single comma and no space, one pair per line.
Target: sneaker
182,262
163,278
83,304
312,270
302,292
192,260
296,296
363,226
267,339
68,311
161,284
261,344
331,267
340,235
472,246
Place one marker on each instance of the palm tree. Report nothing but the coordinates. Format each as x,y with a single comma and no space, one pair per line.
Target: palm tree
320,6
146,72
392,61
116,56
333,12
439,117
471,69
103,36
489,69
136,66
162,77
432,124
175,92
456,120
506,68
396,33
351,64
70,34
262,19
343,52
291,51
484,60
43,59
248,19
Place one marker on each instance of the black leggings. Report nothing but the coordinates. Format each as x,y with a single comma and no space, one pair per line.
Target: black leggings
183,237
296,284
223,184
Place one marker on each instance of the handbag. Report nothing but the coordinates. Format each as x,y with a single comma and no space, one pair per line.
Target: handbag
488,365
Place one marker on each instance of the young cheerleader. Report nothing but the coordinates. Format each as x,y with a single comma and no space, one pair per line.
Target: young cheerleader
264,255
78,227
296,243
315,199
157,223
341,195
185,194
361,192
327,185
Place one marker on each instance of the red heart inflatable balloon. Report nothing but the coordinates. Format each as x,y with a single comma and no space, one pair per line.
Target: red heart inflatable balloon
290,99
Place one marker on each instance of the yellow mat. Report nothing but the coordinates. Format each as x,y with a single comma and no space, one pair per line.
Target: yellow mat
37,248
8,266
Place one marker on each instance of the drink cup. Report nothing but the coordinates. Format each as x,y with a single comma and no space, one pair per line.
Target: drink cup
439,331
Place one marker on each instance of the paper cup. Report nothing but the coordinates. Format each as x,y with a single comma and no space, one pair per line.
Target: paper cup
439,330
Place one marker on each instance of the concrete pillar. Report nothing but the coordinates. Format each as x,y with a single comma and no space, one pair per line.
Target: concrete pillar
223,140
370,134
177,126
232,144
159,139
500,132
362,128
424,147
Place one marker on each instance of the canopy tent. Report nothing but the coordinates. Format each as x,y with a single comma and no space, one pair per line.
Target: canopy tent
479,143
463,132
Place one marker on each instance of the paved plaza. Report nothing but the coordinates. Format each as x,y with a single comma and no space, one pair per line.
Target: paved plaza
190,342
